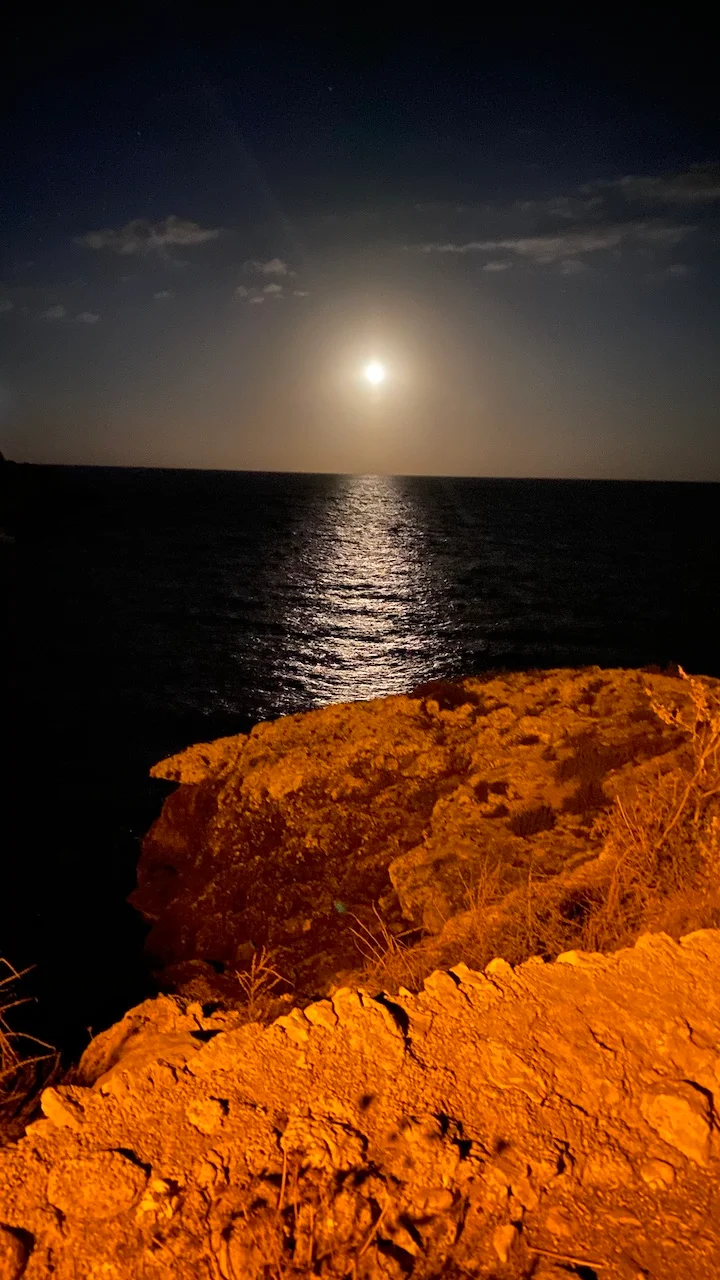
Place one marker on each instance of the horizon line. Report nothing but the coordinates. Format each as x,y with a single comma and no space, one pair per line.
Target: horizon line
395,475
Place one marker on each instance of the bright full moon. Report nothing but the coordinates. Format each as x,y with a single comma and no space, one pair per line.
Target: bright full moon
375,372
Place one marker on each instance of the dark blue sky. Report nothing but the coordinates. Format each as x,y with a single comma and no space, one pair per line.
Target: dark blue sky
209,227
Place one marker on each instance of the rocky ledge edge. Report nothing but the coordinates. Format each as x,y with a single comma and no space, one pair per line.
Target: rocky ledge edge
549,1120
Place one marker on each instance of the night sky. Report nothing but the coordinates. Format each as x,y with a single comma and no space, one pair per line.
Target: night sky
210,227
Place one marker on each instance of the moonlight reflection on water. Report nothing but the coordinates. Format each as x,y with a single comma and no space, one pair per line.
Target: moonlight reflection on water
362,621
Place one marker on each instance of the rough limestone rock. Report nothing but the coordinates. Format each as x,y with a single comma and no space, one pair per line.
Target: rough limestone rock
559,1119
288,836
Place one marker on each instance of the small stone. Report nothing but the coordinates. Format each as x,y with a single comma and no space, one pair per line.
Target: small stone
206,1114
295,1024
469,977
558,1223
503,1240
346,1003
441,985
657,1174
100,1185
437,1200
321,1014
158,1200
63,1112
524,1192
682,1120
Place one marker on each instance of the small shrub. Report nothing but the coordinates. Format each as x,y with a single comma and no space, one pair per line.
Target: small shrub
589,798
26,1064
259,984
530,822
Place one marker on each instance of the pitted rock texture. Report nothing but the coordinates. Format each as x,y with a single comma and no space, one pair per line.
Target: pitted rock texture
288,836
550,1120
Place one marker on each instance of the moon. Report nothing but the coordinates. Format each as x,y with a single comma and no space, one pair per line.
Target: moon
375,372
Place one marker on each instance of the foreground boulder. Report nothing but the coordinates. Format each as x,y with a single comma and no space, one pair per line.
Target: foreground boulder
303,834
554,1120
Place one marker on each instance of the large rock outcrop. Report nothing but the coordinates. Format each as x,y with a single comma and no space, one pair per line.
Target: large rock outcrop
293,836
552,1121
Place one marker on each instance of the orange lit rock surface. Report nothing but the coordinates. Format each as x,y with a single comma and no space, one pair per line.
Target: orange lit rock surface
552,1120
290,836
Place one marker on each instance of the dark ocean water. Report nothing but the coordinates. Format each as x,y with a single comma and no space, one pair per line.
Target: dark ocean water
150,609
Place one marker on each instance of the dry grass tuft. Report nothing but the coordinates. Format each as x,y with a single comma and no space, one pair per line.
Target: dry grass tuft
661,854
540,916
659,867
259,984
390,961
24,1071
317,1223
663,835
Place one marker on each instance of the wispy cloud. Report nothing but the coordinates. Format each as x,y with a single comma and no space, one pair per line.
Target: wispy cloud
6,306
163,295
258,295
87,317
56,312
255,294
140,236
645,215
700,184
272,267
551,247
562,208
693,187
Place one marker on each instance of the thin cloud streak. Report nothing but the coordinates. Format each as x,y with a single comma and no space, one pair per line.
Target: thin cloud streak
551,247
140,236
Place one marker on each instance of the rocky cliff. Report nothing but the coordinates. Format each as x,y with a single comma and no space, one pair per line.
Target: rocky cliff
327,836
552,1121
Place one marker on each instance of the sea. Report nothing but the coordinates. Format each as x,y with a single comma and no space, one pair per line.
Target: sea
149,609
